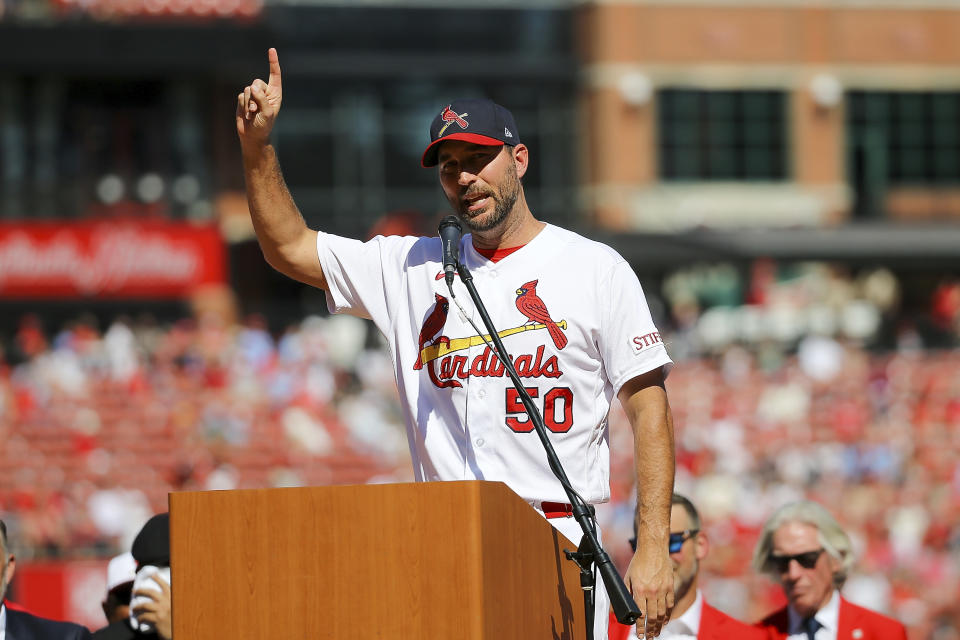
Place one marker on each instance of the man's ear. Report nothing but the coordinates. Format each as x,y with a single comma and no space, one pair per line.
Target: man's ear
835,564
521,159
701,545
11,566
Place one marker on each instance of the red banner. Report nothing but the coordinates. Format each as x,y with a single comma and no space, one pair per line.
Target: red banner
108,259
69,591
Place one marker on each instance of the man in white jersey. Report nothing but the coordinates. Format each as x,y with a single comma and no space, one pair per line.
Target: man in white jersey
570,312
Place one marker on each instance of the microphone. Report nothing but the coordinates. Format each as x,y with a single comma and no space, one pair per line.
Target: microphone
449,231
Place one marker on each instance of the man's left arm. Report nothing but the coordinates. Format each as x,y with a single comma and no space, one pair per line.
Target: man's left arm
650,574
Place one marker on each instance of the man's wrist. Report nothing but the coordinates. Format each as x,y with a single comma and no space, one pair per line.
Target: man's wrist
256,153
653,539
254,147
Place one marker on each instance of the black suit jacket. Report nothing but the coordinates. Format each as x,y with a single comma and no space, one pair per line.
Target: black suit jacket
23,626
120,630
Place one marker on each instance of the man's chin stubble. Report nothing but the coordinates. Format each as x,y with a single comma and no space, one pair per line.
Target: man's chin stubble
491,222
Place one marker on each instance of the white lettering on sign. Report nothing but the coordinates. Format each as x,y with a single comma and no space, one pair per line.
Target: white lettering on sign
114,259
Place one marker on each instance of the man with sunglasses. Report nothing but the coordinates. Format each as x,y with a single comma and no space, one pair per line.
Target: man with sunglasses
804,548
692,617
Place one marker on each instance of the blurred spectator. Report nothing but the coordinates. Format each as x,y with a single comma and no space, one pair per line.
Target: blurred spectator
121,571
20,625
691,617
400,223
945,306
116,511
121,351
29,341
810,555
254,344
149,611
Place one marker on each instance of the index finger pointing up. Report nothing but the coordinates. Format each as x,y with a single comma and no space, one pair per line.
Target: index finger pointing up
274,60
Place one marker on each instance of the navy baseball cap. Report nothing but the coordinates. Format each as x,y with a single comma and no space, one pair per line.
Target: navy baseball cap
152,544
479,121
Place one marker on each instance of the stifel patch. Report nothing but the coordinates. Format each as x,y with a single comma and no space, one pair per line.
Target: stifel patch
639,344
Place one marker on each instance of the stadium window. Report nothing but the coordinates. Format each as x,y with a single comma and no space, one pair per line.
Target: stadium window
914,137
722,135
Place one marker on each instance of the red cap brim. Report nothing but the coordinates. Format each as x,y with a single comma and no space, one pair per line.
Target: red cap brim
430,155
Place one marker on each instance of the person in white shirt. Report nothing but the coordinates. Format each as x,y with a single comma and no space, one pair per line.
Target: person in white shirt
571,311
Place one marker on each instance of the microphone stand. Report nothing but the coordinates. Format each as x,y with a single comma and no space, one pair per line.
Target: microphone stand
589,552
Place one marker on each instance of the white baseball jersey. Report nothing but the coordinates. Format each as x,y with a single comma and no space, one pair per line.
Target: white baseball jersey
572,315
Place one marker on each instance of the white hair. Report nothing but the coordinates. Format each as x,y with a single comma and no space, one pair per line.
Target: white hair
830,534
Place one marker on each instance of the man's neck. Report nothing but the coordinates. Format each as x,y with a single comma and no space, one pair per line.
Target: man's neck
823,605
685,601
827,614
519,228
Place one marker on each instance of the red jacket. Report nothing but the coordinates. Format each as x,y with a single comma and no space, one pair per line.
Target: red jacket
714,625
855,623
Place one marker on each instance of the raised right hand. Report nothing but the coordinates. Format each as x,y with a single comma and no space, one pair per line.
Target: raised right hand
259,104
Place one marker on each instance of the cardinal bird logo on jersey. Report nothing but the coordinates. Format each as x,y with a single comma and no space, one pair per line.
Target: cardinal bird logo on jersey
530,305
448,360
432,326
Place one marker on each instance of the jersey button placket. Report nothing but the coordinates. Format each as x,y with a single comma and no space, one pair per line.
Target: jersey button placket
481,393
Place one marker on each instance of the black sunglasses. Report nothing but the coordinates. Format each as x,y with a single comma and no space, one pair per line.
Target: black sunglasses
807,560
676,540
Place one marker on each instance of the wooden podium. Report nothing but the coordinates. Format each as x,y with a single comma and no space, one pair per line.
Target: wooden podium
425,561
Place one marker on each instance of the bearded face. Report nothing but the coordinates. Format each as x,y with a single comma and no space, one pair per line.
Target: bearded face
686,556
504,198
481,182
684,574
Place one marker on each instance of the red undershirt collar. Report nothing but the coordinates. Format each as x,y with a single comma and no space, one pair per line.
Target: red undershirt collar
496,255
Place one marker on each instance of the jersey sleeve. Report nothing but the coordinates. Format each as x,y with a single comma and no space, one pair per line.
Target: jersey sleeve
630,344
361,275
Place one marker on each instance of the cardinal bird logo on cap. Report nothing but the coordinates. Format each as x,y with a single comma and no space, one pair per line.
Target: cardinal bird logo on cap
530,305
450,116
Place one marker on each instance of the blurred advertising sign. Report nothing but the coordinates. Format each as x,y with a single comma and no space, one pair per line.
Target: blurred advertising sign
113,9
108,259
63,590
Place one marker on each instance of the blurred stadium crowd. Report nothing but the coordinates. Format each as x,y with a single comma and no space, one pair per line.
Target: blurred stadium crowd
100,423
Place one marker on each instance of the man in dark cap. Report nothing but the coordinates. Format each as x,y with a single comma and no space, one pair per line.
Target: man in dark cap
150,605
20,625
580,330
